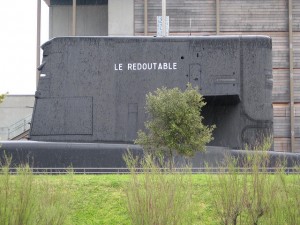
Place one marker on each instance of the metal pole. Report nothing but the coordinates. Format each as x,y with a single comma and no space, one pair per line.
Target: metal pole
74,18
163,18
292,107
38,41
218,17
145,17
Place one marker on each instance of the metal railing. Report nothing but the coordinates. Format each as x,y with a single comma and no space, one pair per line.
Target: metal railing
19,127
199,170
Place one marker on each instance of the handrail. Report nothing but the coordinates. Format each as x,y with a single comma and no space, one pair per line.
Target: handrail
19,127
198,170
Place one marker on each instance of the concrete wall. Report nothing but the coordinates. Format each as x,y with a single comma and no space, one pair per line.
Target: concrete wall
92,20
121,17
13,109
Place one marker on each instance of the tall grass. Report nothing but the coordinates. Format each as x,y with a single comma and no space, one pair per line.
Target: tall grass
251,195
158,195
259,184
228,189
285,207
26,199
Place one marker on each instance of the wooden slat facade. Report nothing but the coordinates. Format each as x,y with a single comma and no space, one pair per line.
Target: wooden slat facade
296,17
281,121
296,46
242,17
185,16
284,144
281,90
253,16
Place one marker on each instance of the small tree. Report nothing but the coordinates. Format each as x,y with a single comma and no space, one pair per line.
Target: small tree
175,122
1,98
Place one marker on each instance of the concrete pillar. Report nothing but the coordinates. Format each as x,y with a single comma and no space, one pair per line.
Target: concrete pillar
145,17
163,13
74,9
291,56
125,25
38,40
217,17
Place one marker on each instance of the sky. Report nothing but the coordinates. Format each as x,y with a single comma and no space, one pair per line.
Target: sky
18,45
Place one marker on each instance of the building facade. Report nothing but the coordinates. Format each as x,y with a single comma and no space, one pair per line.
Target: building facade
279,19
15,114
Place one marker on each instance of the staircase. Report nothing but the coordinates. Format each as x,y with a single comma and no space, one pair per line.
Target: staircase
20,129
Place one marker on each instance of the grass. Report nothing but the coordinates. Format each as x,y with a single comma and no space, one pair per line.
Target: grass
158,196
98,199
254,196
101,199
26,199
154,197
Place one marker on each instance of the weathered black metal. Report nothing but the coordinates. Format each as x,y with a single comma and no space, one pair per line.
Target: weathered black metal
98,155
92,89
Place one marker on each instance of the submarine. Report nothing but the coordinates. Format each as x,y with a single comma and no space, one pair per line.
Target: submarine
90,99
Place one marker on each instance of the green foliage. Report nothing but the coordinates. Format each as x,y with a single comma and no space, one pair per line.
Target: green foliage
259,189
1,98
28,200
158,195
228,189
98,199
285,205
101,199
175,122
250,195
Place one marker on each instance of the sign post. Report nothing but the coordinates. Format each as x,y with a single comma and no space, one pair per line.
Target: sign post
160,26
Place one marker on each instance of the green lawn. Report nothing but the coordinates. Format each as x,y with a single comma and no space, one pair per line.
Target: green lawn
101,199
98,199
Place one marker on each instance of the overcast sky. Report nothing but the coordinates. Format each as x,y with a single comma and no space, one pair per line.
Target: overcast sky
18,45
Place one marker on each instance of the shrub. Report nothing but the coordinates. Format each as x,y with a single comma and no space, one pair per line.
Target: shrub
2,96
175,122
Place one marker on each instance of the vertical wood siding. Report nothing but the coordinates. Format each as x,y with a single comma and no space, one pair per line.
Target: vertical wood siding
242,17
201,14
254,15
282,127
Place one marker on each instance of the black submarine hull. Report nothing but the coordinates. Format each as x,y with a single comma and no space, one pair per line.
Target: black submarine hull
110,156
91,96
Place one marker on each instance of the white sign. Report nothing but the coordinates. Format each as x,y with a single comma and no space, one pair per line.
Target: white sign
146,66
159,26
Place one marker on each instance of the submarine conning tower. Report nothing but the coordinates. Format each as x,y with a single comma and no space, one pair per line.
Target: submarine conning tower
92,89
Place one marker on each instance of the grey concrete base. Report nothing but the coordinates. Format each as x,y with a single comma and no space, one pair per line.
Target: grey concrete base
103,155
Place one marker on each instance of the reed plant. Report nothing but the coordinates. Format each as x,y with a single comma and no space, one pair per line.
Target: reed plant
228,190
285,207
27,199
259,184
244,192
157,194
